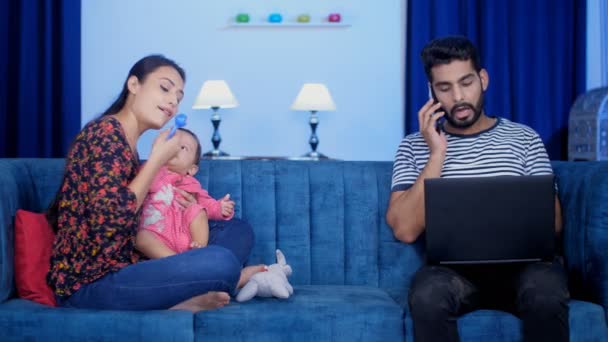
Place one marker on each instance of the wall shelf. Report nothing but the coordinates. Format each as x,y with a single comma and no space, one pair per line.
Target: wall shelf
284,25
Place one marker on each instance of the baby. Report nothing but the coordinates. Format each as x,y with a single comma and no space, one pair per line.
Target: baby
164,219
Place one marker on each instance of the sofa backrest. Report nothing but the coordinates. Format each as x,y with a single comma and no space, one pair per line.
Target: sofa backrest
328,218
583,193
24,184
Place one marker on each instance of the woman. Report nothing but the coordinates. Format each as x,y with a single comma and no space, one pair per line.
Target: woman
96,212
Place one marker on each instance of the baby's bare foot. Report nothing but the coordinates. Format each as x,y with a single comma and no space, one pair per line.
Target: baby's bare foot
248,271
208,301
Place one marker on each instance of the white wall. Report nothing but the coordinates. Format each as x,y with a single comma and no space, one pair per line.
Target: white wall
265,68
597,46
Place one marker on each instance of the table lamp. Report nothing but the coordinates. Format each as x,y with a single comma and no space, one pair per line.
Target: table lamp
314,97
215,94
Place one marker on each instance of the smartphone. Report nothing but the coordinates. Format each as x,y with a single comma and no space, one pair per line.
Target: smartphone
432,96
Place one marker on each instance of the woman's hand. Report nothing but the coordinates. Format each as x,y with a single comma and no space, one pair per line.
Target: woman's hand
163,150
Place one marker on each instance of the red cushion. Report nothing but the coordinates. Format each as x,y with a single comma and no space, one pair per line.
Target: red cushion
33,244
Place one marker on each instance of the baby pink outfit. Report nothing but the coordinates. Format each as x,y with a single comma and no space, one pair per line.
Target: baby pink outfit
163,216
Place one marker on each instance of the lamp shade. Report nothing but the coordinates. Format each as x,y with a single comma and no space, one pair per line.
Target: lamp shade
215,93
313,96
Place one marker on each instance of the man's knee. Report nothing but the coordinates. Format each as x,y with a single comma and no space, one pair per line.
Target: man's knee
429,303
543,289
437,292
543,305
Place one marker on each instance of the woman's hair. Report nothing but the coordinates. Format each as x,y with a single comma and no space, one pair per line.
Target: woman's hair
197,156
141,70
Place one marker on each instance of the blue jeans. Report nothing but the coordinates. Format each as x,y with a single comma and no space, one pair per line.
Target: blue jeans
163,283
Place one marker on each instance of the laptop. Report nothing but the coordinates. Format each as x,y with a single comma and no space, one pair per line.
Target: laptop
503,219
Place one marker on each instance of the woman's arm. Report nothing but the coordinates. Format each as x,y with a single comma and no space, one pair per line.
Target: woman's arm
141,183
162,151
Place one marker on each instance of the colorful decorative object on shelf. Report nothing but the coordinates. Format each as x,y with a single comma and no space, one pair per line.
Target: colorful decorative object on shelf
275,18
334,18
303,18
242,18
278,20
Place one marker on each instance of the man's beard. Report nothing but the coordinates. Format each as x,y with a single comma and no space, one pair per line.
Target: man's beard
477,110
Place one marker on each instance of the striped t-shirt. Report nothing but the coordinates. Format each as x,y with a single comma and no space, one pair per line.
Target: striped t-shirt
506,148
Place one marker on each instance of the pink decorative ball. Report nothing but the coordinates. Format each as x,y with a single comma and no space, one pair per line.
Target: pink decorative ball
334,17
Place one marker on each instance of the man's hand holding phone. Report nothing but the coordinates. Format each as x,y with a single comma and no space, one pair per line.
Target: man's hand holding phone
434,98
428,117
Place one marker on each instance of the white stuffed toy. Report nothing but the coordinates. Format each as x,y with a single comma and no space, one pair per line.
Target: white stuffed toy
270,283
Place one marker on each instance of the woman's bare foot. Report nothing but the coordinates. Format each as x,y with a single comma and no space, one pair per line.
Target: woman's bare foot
247,272
208,301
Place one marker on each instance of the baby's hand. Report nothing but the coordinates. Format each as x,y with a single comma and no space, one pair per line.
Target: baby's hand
227,206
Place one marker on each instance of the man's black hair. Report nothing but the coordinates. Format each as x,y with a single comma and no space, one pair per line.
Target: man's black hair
444,50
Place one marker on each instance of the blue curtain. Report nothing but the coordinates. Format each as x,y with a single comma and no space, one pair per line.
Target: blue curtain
534,51
40,82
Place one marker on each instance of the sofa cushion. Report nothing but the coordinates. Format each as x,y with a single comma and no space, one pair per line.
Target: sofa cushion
24,320
587,323
33,244
489,325
312,313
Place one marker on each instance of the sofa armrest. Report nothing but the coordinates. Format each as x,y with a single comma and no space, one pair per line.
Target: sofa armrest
9,202
583,193
18,190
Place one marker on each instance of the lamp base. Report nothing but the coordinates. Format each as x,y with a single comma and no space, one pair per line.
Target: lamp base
315,155
215,153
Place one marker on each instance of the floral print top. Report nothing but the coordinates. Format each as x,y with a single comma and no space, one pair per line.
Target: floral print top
97,215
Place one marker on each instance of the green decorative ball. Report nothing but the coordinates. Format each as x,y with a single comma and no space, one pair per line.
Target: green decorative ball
242,18
304,18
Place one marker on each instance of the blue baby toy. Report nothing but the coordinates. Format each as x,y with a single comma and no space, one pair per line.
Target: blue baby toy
180,121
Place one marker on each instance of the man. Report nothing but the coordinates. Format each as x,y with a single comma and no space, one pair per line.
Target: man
469,142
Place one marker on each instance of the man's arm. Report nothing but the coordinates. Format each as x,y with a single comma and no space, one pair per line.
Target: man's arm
558,217
405,213
538,163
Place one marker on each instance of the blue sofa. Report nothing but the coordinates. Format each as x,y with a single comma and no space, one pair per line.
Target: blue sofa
351,276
